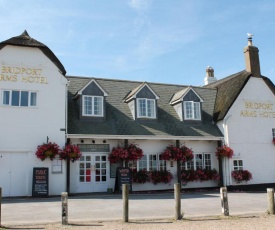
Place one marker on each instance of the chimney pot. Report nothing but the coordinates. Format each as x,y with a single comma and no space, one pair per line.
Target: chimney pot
209,78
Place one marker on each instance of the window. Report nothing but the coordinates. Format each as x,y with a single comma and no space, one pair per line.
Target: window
273,133
92,106
192,110
237,165
56,166
148,162
19,98
200,161
146,108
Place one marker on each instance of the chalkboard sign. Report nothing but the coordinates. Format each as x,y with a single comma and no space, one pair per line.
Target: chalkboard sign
123,176
40,182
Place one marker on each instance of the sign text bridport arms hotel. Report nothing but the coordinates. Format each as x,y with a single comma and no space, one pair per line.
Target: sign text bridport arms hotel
254,109
28,75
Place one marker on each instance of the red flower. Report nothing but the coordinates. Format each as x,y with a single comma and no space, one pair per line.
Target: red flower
177,153
199,175
161,177
141,176
70,152
131,153
224,151
49,150
241,175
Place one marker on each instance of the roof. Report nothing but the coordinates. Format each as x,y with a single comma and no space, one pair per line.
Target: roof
119,120
179,95
25,40
228,90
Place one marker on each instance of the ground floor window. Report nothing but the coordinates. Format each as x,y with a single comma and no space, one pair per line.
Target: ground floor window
149,162
237,165
200,161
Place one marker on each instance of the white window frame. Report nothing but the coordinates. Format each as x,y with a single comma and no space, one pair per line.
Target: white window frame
238,166
93,106
193,110
146,115
146,163
20,93
196,162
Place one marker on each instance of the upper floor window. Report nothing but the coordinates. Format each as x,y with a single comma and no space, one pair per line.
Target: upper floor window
92,106
192,110
146,107
19,98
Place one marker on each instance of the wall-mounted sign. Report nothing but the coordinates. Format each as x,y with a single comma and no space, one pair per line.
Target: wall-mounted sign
94,148
22,74
257,109
40,182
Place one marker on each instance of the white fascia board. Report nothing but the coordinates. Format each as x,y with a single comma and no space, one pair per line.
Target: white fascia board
93,80
141,137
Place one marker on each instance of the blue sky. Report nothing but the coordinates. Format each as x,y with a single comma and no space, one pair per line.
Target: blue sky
167,41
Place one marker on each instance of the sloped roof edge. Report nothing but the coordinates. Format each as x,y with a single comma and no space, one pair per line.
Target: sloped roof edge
26,41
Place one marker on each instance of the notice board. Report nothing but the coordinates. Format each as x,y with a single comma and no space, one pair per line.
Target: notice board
123,176
40,182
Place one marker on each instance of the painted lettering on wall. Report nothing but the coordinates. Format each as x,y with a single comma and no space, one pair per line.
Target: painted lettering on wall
257,109
26,75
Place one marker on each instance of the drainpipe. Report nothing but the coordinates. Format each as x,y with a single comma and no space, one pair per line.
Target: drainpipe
226,162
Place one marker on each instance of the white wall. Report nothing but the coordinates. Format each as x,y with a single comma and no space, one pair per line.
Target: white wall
22,129
249,133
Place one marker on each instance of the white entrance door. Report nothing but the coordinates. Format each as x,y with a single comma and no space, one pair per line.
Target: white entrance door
92,172
14,174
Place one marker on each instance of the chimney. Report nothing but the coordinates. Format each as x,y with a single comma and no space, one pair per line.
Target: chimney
251,55
209,78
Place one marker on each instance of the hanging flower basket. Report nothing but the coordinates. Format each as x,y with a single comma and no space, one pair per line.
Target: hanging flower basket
177,153
49,150
131,153
224,151
161,177
70,152
241,175
199,175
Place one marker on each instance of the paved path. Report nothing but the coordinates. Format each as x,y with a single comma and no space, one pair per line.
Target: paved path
97,207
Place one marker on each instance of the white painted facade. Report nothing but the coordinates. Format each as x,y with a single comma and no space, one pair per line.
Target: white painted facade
148,147
24,128
247,129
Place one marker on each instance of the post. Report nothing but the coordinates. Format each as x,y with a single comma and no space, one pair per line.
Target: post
270,199
177,201
125,193
64,209
0,204
224,201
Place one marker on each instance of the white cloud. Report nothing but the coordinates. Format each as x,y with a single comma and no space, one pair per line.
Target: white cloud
140,5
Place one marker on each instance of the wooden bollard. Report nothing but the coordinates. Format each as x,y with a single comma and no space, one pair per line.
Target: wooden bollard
125,197
177,196
64,208
224,201
270,199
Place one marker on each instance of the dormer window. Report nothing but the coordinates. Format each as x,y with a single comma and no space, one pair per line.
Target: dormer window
192,110
142,102
187,104
146,107
92,106
91,99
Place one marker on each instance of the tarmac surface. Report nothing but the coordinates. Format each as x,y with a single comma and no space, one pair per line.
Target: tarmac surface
109,207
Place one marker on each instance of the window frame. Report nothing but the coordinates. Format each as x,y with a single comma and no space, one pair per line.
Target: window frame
193,164
273,133
93,106
193,111
20,100
238,166
147,100
147,163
